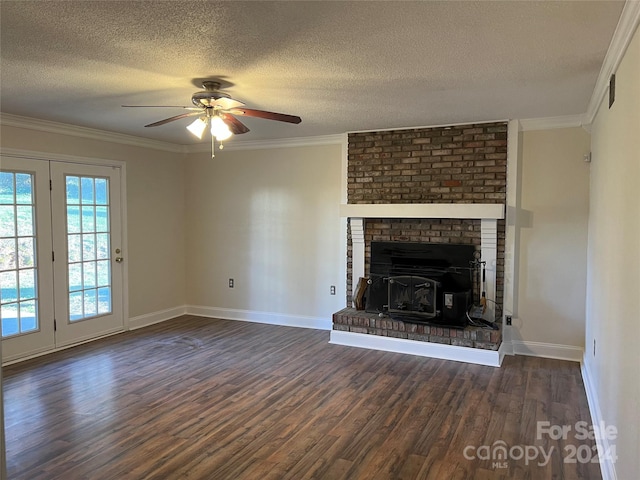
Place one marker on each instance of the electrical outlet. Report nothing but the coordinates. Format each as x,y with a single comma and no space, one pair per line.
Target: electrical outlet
508,319
231,283
332,290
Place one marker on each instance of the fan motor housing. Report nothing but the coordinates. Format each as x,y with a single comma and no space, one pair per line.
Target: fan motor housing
204,98
210,94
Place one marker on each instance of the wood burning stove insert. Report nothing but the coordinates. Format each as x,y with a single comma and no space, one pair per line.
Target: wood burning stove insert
428,283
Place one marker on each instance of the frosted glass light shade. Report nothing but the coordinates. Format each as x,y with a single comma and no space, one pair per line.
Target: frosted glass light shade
197,127
219,129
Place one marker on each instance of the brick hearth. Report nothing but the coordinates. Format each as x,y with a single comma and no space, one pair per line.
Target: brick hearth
358,321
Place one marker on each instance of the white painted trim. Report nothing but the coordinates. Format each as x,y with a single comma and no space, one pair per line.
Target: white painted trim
134,323
84,132
512,227
477,356
38,352
357,252
344,170
124,229
489,255
152,318
446,125
233,144
41,353
607,466
506,348
121,138
547,350
627,25
550,123
424,210
59,157
271,318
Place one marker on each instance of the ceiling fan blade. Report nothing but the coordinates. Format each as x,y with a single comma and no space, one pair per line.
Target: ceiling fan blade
160,106
281,117
171,119
222,102
235,125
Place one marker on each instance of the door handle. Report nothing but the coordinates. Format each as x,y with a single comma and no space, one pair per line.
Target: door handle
119,259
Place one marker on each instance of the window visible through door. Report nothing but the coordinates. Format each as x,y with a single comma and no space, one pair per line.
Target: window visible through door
18,261
88,233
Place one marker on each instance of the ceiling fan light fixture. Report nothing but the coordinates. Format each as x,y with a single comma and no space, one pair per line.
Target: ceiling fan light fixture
219,129
197,127
217,111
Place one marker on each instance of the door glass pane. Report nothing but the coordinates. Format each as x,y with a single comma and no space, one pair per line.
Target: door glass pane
73,219
7,188
26,252
102,219
88,219
73,190
8,224
74,248
27,282
9,282
25,222
8,253
75,277
75,306
86,189
89,258
28,322
102,192
103,273
102,246
88,246
104,300
24,188
18,263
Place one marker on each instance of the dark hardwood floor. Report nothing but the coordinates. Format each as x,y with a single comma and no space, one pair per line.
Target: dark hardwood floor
211,399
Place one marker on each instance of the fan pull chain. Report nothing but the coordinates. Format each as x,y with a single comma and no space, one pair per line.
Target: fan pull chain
213,146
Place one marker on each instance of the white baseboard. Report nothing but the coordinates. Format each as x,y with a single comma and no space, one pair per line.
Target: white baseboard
478,356
547,350
607,466
156,317
270,318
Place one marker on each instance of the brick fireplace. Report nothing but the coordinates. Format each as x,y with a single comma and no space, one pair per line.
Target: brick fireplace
428,185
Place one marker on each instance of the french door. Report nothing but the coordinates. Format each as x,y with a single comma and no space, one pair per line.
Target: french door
61,273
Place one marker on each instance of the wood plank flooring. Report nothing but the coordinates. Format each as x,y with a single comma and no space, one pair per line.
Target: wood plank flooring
211,399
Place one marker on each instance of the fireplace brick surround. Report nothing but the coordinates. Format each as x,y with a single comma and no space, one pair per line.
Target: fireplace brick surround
463,164
355,321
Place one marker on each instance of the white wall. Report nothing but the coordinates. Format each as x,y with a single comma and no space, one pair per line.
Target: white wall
613,278
270,220
155,208
553,239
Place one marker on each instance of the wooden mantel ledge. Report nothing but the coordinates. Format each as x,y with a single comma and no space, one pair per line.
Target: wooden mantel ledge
493,211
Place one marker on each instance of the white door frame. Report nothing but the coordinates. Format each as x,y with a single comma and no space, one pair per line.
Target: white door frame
56,157
42,339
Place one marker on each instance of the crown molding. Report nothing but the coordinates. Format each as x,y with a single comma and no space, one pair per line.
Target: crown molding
57,157
550,123
445,125
84,132
337,139
627,25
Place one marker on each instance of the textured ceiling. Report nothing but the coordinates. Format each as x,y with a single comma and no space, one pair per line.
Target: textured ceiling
341,66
